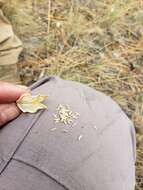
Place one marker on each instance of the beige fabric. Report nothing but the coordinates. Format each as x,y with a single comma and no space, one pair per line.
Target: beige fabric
10,48
2,2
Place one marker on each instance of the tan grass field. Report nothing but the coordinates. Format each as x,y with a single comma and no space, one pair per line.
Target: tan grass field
99,43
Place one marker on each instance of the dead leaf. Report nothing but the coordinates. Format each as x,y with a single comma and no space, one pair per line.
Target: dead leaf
31,104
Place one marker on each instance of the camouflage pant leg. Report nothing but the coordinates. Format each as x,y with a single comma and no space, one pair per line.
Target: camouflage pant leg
10,48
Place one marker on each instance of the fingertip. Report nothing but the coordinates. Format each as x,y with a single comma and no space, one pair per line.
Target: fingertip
10,112
10,92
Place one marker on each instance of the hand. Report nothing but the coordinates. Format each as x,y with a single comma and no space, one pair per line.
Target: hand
9,93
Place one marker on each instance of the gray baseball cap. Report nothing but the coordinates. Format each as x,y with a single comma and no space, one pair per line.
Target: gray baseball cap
95,152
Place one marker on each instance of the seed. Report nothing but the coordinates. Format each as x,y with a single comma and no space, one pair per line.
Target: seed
55,115
77,113
95,127
74,124
65,131
65,122
53,129
80,137
65,115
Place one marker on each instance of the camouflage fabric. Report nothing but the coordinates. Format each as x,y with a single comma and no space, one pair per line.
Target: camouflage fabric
10,48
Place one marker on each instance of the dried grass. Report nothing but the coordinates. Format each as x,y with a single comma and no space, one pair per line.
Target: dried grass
99,43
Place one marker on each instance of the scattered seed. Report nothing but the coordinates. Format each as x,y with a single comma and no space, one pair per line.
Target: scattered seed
65,131
65,122
56,120
77,113
74,116
74,124
65,114
55,115
95,127
80,137
53,129
69,121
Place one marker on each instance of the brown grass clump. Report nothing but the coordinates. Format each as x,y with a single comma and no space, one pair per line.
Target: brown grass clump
99,43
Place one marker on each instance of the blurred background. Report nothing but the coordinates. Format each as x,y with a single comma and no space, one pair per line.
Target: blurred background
99,43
